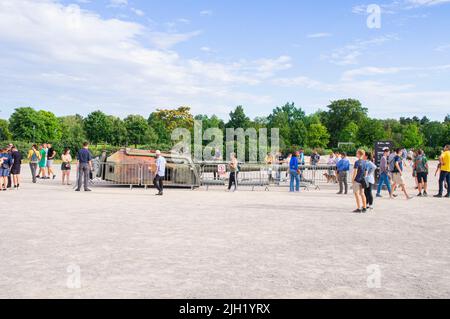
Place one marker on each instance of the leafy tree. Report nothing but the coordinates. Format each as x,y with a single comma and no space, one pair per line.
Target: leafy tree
238,119
434,133
27,124
138,131
340,114
5,134
371,130
72,129
447,119
118,132
412,137
98,127
317,135
349,133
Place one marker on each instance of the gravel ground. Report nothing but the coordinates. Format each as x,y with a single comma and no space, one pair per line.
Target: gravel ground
123,243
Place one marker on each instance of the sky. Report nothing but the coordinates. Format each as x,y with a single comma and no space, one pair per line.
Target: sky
135,56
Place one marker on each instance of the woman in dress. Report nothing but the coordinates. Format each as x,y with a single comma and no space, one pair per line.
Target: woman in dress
66,159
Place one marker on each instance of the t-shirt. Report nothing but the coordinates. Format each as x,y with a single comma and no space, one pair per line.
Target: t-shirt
360,166
371,168
384,165
161,166
43,156
17,158
399,160
33,156
6,160
315,159
293,165
343,165
84,156
50,153
446,160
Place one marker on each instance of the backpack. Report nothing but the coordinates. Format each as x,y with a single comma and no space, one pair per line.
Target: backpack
34,157
361,174
420,165
391,162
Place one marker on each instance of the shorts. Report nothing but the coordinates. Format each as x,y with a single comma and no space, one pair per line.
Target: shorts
422,177
398,179
15,170
43,164
65,168
357,187
4,172
49,163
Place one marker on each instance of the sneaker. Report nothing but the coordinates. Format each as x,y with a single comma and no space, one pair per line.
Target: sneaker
395,196
357,211
340,193
88,190
419,195
78,190
448,195
437,196
379,196
425,194
409,197
364,210
54,176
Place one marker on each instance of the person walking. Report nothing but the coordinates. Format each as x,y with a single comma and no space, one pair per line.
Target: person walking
370,179
34,157
84,167
42,162
51,154
422,169
397,176
234,170
444,176
358,179
158,181
5,168
294,173
66,159
343,167
384,174
16,167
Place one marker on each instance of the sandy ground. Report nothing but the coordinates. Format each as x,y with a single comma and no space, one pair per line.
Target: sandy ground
118,243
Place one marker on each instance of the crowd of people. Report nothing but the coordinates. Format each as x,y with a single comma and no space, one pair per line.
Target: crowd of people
391,171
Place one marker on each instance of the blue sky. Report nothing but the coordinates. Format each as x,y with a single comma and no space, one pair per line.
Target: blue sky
76,56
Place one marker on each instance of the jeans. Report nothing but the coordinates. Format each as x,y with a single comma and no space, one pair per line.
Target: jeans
384,179
295,177
343,182
33,168
159,183
445,176
83,173
233,180
369,194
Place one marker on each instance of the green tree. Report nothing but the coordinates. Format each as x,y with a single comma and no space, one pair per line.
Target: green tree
27,124
5,134
434,133
118,133
238,119
138,131
350,133
371,130
340,114
412,137
317,136
98,127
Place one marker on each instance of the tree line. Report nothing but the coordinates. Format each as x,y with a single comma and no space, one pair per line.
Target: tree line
343,124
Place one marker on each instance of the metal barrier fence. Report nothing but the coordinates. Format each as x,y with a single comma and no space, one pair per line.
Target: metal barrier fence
256,175
212,174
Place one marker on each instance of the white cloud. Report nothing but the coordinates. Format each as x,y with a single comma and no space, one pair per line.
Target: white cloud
67,59
138,12
349,54
319,35
206,13
118,3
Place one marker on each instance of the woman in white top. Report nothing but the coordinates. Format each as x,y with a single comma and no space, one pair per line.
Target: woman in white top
66,159
370,179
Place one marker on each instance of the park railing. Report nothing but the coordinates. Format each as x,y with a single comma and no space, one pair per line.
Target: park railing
212,174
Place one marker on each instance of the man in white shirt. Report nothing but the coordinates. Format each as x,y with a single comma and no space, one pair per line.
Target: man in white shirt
160,173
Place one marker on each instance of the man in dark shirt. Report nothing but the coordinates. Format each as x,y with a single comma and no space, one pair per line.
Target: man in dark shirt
84,167
51,154
16,165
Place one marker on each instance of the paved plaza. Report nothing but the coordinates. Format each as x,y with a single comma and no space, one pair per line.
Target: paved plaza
122,243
